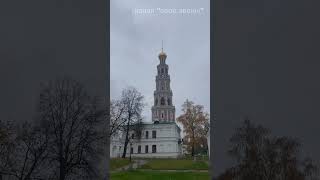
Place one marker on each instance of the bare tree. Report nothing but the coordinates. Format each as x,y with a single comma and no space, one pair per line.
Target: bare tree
133,102
73,120
311,171
31,152
7,146
26,152
117,116
3,133
262,156
137,128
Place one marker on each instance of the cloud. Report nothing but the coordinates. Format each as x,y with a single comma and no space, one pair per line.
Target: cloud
136,42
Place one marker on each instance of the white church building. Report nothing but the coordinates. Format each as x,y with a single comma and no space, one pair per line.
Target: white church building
160,138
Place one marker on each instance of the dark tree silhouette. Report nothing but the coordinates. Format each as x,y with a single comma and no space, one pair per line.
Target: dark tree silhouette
227,175
25,152
262,156
64,141
7,146
73,120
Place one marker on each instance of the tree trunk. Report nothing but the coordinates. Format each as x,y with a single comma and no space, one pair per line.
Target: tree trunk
62,172
126,141
192,149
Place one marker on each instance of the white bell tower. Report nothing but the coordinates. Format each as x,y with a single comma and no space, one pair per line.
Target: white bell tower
163,110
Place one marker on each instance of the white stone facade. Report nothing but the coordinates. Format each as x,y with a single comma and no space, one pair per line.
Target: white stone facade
157,141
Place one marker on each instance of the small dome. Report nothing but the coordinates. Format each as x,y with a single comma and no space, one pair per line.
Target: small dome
162,55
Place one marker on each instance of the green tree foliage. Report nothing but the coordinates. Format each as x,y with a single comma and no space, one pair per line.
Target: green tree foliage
195,125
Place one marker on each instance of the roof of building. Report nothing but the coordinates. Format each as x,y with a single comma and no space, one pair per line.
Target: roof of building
160,123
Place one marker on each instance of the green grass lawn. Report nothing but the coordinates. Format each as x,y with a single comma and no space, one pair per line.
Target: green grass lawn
176,164
148,175
116,163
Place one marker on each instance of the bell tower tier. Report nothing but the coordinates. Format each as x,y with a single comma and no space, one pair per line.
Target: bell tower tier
163,110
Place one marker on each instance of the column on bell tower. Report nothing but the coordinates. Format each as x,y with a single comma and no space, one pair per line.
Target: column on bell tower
163,109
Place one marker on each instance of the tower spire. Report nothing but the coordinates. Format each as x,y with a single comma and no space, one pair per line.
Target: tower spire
162,46
162,55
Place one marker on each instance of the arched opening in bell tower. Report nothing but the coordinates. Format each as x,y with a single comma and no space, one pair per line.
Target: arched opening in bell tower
162,101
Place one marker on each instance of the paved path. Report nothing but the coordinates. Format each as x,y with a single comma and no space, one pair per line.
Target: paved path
136,163
139,162
174,170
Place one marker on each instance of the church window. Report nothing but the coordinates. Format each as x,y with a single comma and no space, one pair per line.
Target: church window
162,101
156,102
132,136
169,101
154,134
154,148
139,149
166,70
131,150
147,134
146,148
162,71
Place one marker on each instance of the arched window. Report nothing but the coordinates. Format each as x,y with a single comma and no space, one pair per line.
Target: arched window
156,102
162,71
166,70
162,101
169,101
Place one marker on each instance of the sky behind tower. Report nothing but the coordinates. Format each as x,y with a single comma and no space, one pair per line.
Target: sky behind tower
137,29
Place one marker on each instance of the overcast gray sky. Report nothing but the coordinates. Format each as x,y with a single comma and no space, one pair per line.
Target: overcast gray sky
137,28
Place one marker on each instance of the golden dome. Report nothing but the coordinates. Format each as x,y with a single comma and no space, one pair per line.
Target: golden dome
162,55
